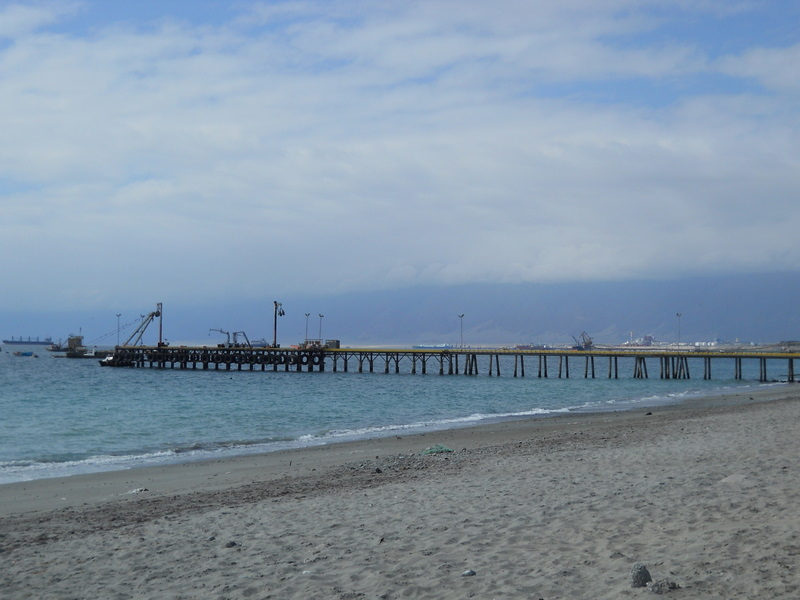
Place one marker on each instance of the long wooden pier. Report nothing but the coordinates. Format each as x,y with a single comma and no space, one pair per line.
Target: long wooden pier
561,363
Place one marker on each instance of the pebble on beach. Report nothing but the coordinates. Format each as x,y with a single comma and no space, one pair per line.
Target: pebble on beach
662,586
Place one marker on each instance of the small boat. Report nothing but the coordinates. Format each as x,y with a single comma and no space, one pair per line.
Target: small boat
76,349
27,353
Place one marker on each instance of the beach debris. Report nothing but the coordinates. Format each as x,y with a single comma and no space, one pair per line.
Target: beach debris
468,573
640,576
437,449
138,491
662,586
231,544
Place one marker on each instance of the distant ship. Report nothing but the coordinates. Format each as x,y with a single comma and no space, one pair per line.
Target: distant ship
29,342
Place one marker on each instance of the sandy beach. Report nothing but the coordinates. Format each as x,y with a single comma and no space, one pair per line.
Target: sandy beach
704,494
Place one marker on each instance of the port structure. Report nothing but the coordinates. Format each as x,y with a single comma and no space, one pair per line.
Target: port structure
560,363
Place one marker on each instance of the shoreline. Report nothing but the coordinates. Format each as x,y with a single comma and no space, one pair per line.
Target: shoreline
53,493
197,476
63,492
166,457
703,491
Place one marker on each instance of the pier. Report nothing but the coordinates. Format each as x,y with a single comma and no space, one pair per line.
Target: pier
558,363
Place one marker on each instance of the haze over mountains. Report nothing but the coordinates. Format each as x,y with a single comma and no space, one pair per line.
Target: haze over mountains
760,308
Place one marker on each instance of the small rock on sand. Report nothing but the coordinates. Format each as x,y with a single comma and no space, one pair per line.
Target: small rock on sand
662,586
640,576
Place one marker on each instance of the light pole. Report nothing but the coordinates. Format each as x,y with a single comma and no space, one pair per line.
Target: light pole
679,315
118,316
307,315
461,321
320,327
278,313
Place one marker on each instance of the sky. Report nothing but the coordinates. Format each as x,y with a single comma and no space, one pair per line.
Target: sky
199,153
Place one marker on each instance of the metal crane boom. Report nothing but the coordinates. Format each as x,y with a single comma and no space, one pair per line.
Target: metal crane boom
139,331
227,333
236,342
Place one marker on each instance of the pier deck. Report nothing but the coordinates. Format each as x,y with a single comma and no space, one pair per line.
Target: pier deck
600,362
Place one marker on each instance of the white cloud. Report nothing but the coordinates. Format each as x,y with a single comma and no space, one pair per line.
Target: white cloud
338,146
777,69
17,19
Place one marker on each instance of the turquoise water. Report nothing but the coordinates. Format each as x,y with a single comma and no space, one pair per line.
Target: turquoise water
64,416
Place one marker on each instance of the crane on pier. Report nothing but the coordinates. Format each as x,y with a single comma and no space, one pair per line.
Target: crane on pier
223,332
139,331
235,334
246,343
584,342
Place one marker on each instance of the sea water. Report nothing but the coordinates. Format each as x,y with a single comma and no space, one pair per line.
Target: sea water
62,416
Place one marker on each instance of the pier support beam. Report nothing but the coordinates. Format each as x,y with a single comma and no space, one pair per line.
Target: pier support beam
680,367
521,359
613,366
563,361
542,366
494,358
640,368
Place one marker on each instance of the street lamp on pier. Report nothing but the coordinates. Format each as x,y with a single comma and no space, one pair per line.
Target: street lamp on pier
307,315
118,316
461,322
320,327
278,313
679,315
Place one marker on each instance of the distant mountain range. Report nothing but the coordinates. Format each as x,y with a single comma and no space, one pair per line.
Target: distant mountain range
759,308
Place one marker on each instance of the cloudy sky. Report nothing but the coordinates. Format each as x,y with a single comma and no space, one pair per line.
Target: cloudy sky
192,151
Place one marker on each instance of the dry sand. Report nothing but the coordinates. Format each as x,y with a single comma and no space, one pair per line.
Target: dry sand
705,494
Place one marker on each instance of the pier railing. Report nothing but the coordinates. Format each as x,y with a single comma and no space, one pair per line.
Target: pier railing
543,363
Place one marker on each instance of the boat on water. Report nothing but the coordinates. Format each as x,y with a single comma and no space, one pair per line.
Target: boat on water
76,349
28,342
26,353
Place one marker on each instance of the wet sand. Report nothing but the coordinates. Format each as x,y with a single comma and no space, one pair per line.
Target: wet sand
705,494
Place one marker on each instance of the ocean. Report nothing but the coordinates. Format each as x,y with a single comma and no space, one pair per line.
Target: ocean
60,416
